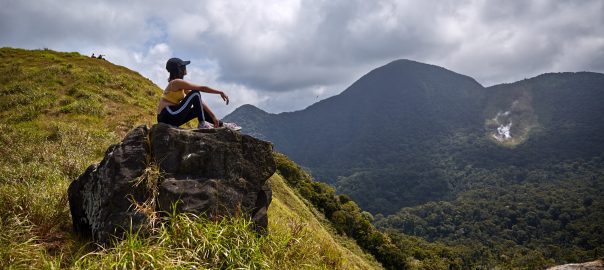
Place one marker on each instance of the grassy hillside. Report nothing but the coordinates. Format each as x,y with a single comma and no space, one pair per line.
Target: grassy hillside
297,239
60,112
289,213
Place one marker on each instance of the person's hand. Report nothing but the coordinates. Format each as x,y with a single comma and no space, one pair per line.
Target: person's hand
224,97
216,123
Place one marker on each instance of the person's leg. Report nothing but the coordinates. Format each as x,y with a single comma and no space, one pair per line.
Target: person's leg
175,119
206,114
193,113
190,107
210,116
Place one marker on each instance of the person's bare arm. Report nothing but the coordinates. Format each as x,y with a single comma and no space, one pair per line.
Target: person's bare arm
187,86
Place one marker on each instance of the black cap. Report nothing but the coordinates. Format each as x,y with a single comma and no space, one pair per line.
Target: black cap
175,63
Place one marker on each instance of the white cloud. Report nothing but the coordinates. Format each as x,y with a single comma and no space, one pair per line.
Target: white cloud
238,94
282,54
187,29
515,40
150,63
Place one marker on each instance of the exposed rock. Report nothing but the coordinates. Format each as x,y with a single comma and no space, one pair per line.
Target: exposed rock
100,198
595,265
215,173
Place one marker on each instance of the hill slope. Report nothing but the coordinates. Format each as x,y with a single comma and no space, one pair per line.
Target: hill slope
60,112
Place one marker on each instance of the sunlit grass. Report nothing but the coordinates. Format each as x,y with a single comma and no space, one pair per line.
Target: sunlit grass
61,112
289,213
189,241
184,241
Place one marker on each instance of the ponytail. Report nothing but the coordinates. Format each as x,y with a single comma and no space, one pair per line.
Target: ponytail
177,75
173,76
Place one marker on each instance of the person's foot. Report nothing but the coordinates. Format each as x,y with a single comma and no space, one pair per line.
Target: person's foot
205,125
231,126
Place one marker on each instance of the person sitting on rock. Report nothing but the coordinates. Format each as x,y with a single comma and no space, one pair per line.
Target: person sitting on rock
181,100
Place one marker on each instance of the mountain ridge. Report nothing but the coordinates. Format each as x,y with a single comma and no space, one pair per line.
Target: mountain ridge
427,150
568,73
323,114
340,117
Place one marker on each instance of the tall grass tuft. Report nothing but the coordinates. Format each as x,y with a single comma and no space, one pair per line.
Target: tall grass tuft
150,178
185,241
18,248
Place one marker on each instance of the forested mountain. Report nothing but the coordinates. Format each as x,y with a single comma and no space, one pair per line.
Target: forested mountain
513,169
388,138
389,119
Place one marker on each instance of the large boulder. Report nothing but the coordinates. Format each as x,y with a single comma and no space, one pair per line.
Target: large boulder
215,173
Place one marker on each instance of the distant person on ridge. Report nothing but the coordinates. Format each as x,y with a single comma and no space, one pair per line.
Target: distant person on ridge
181,100
93,56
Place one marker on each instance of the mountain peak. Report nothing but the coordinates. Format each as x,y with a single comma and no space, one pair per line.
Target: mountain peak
249,108
406,83
419,70
403,61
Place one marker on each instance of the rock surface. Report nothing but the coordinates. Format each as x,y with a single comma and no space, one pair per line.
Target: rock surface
214,172
595,265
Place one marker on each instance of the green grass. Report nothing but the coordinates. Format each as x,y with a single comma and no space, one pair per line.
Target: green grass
184,242
297,240
289,213
60,112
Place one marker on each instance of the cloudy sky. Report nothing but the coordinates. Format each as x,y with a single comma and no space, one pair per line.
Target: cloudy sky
283,55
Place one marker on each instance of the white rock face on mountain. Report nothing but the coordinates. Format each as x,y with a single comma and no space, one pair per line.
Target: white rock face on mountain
595,265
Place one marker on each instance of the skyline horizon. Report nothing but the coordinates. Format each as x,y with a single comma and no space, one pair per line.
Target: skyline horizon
285,55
